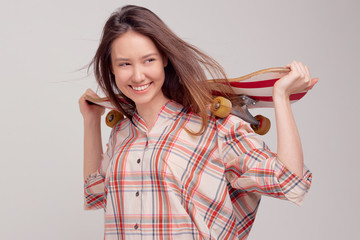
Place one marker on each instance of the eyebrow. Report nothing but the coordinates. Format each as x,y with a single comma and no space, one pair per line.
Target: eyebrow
143,57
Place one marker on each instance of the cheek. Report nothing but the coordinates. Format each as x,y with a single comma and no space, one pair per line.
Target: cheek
121,79
159,72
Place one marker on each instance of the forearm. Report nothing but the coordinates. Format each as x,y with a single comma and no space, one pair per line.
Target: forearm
289,147
92,146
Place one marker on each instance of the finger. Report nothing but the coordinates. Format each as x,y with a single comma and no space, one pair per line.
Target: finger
290,65
296,67
305,74
307,70
89,92
308,76
302,68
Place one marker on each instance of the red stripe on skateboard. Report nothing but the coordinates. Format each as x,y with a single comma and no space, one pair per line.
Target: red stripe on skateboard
256,84
293,97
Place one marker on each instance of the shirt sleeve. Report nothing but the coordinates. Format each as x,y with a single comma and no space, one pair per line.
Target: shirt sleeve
252,167
94,185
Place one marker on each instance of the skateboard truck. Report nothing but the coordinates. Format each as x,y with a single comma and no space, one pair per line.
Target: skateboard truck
222,107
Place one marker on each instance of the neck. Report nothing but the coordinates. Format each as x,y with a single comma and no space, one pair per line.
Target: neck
150,112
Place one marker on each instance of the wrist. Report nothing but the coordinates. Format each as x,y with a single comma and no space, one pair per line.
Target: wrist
280,95
92,121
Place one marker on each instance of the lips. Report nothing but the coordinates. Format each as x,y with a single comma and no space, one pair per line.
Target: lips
140,88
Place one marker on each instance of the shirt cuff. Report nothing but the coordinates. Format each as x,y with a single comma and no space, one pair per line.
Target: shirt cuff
294,187
94,191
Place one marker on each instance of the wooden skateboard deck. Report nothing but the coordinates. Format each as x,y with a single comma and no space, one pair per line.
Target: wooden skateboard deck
257,85
255,91
103,102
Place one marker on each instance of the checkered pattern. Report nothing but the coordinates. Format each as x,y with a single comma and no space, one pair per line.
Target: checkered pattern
168,184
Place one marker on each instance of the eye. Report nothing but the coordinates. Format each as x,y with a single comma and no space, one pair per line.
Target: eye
150,60
124,64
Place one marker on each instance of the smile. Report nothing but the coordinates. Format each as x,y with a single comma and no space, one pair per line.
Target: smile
141,88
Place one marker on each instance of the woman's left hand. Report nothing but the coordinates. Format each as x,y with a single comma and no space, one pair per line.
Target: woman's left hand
289,144
297,80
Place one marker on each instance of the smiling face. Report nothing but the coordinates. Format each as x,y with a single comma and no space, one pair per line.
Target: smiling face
138,67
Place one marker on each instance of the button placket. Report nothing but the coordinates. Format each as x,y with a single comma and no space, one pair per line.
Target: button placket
137,194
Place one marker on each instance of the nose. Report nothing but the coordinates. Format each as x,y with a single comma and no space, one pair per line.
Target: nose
138,75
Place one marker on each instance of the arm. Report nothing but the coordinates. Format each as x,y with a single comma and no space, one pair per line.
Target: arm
289,145
251,166
92,134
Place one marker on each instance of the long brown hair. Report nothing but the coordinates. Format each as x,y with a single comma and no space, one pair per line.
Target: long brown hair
185,73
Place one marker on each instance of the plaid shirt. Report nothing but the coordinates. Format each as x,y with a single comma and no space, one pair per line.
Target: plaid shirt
168,184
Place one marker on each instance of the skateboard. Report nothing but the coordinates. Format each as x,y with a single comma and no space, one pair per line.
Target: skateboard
251,91
113,117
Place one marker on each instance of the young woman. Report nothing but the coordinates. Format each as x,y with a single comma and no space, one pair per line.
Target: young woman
172,170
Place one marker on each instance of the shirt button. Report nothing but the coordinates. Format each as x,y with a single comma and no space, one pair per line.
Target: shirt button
138,161
136,226
137,193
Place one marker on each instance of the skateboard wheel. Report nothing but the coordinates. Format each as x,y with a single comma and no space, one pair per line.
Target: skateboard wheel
264,125
221,107
112,118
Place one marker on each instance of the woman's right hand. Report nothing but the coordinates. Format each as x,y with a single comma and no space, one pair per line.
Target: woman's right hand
90,111
92,133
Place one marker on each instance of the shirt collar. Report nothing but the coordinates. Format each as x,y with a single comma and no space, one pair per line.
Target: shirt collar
169,112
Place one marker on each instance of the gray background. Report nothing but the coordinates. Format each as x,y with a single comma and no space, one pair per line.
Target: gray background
45,43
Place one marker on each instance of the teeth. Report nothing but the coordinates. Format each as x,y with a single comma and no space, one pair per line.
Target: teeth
141,88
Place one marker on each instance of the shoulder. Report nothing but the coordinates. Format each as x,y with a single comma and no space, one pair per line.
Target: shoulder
120,126
223,126
231,125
